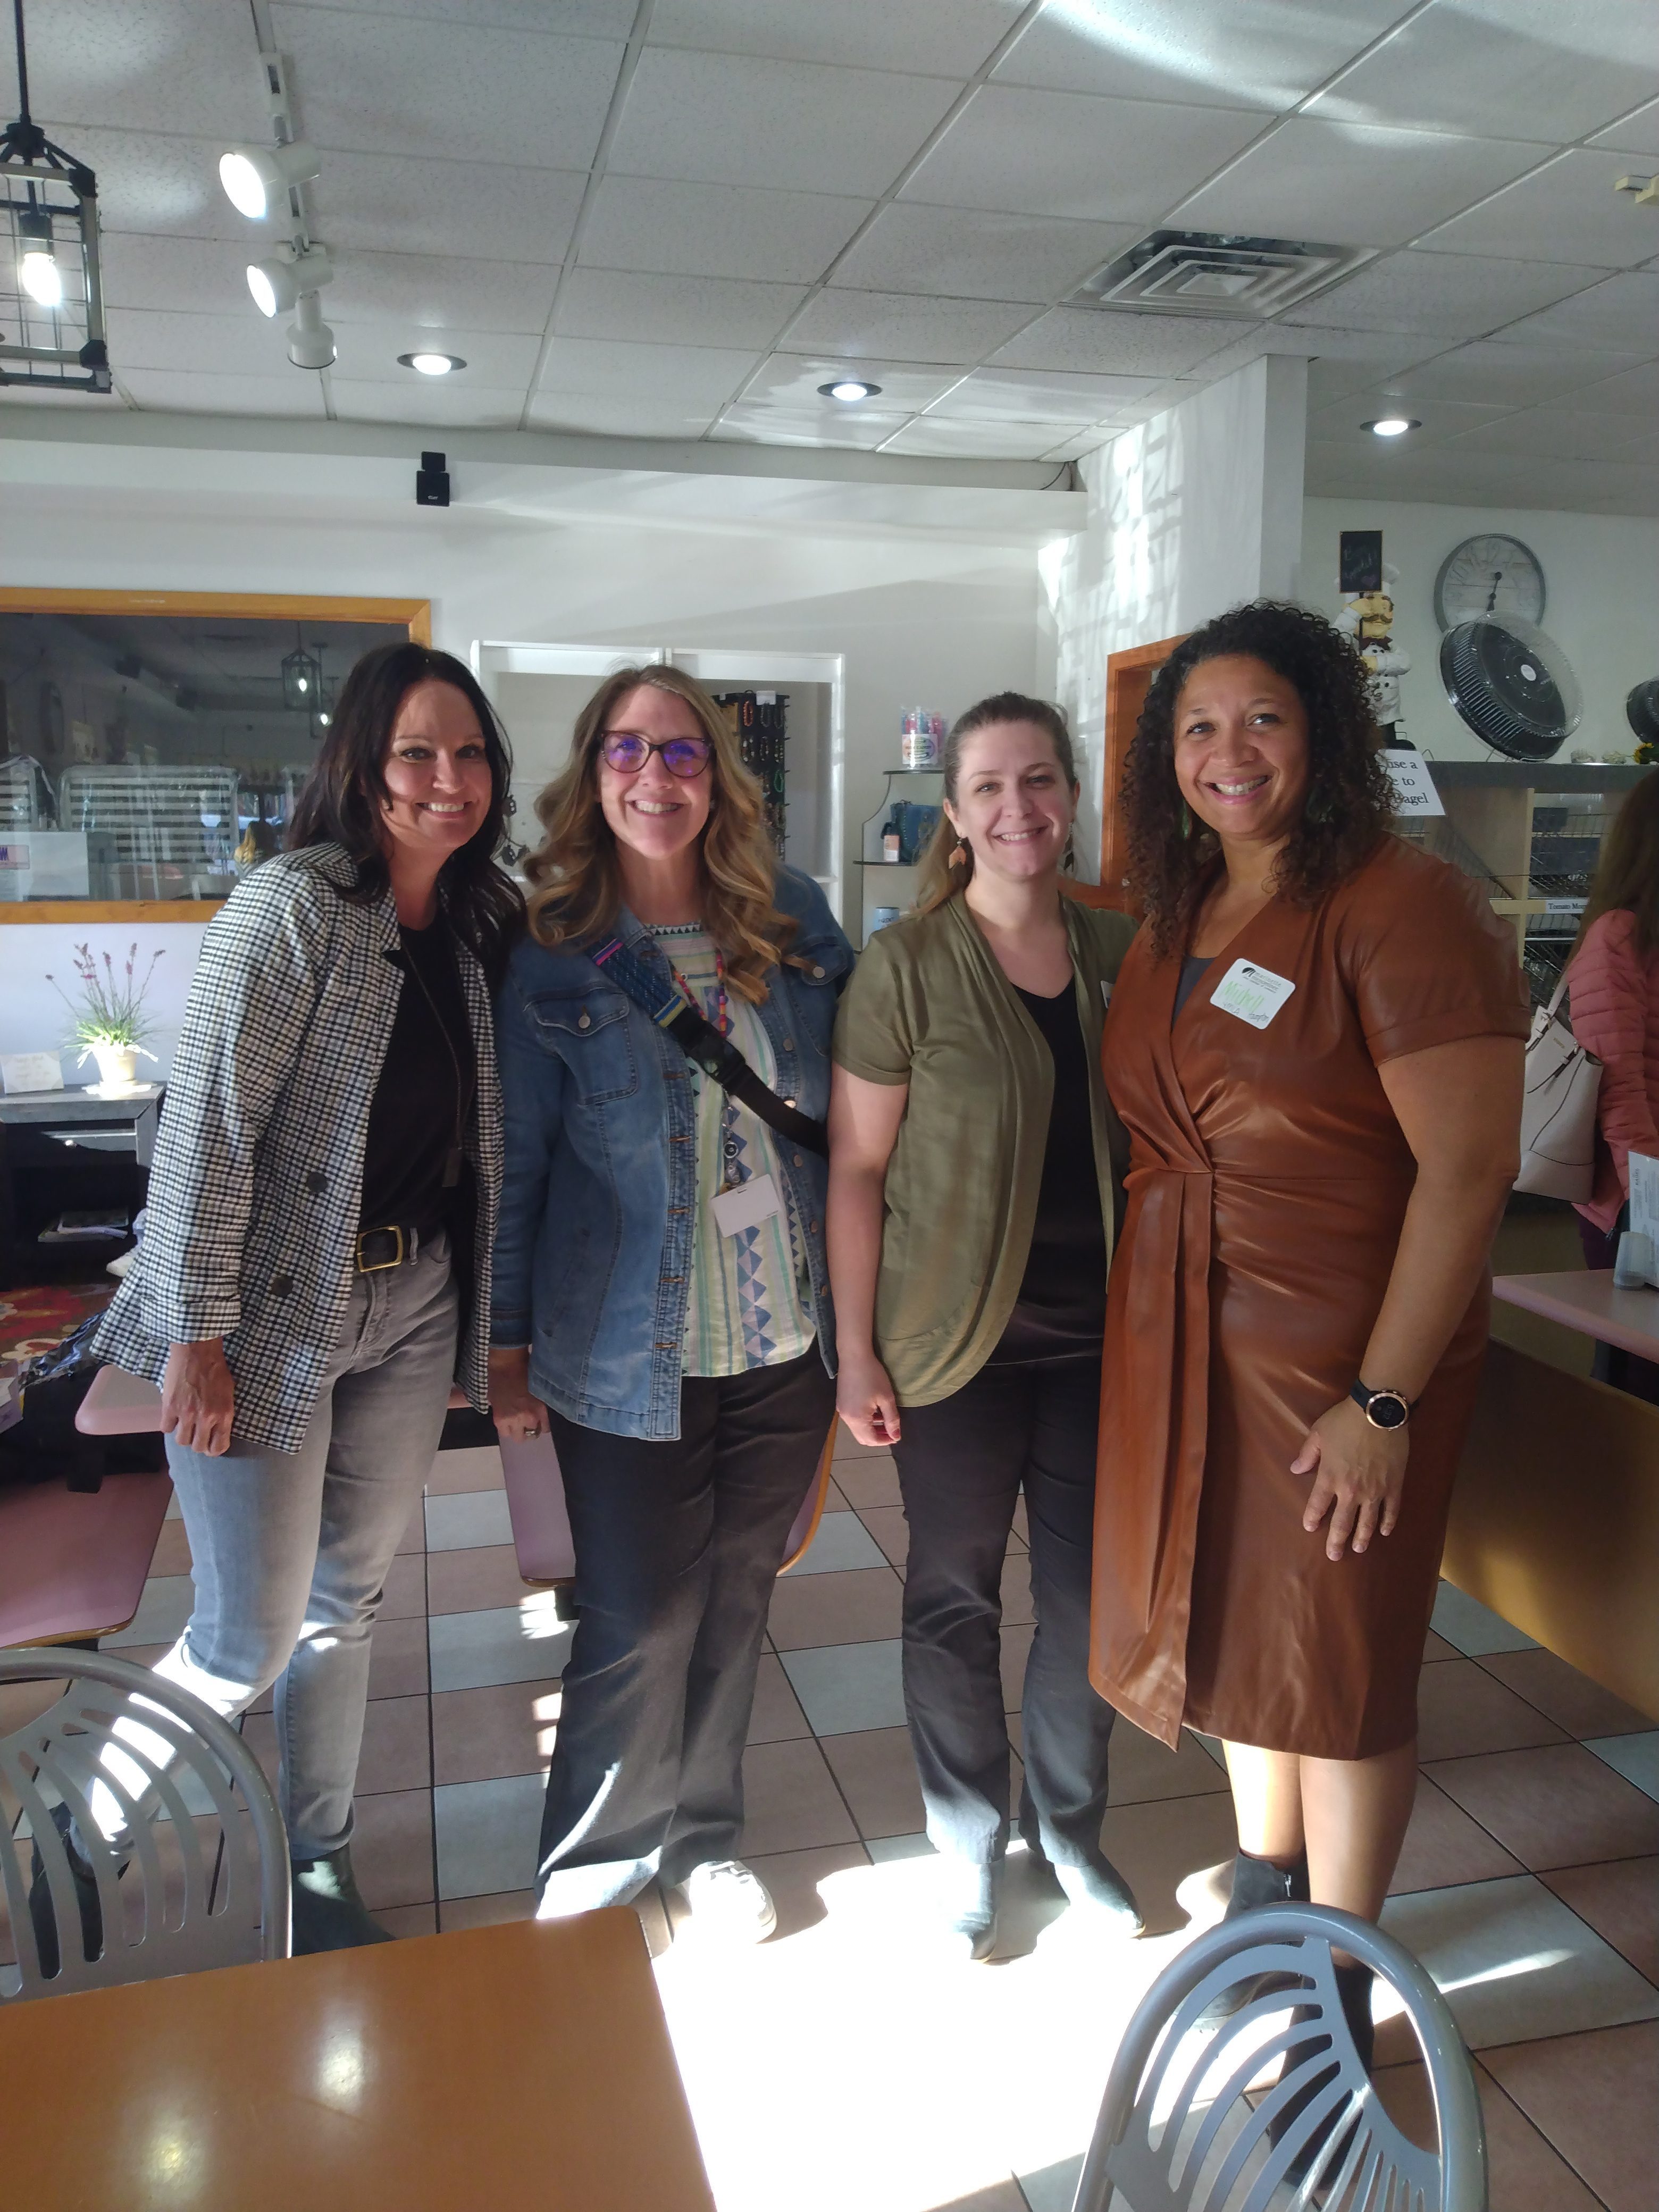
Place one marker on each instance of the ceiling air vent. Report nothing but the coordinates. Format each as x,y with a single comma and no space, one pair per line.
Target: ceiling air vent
1195,272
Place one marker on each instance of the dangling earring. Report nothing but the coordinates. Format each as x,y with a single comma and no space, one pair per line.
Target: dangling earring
959,857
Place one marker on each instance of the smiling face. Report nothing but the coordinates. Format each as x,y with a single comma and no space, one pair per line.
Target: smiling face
436,771
1240,749
655,813
1013,805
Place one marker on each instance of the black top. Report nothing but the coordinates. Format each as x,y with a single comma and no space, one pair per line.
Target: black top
1191,975
413,1118
1060,1312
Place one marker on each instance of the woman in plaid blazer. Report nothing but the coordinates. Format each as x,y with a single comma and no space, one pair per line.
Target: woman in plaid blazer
314,1274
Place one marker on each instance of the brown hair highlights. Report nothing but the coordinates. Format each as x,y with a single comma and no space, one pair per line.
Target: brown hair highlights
1628,874
938,879
575,877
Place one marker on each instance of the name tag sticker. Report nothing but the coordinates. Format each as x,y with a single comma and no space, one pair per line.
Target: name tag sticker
1254,993
747,1207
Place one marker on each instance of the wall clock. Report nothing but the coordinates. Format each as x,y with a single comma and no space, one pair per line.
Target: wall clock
1489,574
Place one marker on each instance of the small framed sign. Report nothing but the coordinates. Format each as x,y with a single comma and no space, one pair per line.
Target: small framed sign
31,1071
1359,561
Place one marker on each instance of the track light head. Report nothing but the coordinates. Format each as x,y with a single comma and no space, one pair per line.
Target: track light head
278,282
309,341
257,179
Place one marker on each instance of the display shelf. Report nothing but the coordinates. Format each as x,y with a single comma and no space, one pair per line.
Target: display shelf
893,882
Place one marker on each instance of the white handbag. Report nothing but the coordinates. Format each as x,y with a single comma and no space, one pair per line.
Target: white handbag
1558,1109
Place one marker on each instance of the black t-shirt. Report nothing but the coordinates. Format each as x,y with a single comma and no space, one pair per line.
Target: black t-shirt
1060,1311
413,1118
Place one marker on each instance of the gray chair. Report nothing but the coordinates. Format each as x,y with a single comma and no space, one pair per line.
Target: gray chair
1177,2132
201,1879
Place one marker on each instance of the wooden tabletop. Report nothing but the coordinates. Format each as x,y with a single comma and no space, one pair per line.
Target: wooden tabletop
493,2070
1585,1299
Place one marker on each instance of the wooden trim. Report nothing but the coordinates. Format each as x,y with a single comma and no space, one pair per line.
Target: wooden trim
1128,674
267,606
19,910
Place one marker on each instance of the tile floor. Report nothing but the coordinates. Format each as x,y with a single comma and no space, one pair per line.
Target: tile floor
845,2064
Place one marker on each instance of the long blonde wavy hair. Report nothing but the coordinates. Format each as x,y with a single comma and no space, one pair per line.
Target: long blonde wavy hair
575,882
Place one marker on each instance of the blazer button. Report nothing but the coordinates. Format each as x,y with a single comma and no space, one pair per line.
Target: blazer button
316,1182
799,1161
281,1285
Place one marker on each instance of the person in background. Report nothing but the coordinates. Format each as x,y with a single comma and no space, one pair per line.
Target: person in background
1316,1044
972,1199
314,1277
661,1293
1613,984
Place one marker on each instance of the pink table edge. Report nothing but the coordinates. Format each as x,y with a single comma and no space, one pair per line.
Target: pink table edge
1585,1299
122,1405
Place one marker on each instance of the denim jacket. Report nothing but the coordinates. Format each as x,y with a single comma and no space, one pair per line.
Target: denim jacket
598,1216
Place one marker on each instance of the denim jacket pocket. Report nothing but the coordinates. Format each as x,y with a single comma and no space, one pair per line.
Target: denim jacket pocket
590,1031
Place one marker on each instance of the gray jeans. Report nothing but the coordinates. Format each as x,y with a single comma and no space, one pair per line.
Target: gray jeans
290,1549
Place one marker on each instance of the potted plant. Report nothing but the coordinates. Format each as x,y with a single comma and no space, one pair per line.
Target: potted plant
110,1024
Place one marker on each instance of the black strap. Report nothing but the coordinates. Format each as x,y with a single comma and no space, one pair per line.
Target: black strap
703,1045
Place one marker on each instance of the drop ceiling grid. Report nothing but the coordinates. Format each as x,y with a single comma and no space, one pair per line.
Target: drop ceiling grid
780,196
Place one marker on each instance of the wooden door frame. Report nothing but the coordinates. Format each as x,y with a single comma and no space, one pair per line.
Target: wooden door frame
1128,674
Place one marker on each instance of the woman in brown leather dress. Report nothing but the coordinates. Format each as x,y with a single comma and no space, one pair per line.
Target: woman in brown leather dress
1315,1045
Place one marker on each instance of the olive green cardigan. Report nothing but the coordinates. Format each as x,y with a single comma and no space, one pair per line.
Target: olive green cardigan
929,1005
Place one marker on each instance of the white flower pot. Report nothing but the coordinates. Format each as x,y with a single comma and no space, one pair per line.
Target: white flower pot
117,1069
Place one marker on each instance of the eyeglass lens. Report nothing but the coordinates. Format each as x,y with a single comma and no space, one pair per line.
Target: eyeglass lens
627,752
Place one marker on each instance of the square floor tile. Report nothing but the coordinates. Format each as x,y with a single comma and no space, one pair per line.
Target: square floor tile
397,1659
1437,1647
849,1686
1461,1709
1570,1699
521,1643
456,1523
847,1446
1443,1844
1156,1846
403,1593
791,1802
861,1606
794,1877
888,1525
1635,1757
1515,1964
876,1770
1621,1901
392,1848
406,1920
505,1728
871,1479
1017,1607
1474,1628
397,1752
1596,2098
414,1536
163,1609
172,1553
1142,1769
1022,1524
1560,1805
486,1834
473,1581
777,1717
1526,2175
882,1849
1016,1651
456,1912
842,1542
476,1467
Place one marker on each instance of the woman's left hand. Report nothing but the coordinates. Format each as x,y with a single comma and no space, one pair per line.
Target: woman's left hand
1359,1470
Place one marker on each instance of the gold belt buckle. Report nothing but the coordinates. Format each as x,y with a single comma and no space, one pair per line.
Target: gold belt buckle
379,1266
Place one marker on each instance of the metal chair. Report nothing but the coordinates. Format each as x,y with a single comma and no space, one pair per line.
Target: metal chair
1177,2132
173,1768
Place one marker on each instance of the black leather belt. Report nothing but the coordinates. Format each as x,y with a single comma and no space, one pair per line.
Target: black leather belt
377,1248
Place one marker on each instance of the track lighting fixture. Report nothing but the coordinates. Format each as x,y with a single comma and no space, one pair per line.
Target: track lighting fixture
309,341
262,182
278,282
258,179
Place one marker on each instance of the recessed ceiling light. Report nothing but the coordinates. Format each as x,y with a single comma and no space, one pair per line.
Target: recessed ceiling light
1392,426
431,364
849,390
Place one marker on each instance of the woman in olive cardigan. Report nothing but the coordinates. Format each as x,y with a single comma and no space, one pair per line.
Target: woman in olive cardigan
974,1182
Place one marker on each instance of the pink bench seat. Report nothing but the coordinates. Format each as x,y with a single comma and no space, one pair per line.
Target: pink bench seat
73,1563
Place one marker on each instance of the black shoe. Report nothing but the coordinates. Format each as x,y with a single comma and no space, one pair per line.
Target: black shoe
1353,1987
328,1915
43,1916
1256,1882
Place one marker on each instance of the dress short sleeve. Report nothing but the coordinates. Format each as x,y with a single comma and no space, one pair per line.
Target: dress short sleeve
873,1029
1426,960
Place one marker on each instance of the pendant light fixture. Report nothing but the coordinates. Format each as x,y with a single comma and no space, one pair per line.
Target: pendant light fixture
51,306
302,679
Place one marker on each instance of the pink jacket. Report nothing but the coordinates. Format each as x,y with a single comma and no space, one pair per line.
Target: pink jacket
1614,1003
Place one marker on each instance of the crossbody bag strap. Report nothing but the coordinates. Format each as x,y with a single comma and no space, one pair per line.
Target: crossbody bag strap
702,1044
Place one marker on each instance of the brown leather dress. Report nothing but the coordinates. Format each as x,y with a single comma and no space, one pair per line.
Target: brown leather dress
1268,1181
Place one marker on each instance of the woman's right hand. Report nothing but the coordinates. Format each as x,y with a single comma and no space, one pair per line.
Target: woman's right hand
518,1416
198,1396
865,1402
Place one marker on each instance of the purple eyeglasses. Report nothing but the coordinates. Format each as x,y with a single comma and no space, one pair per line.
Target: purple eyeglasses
627,751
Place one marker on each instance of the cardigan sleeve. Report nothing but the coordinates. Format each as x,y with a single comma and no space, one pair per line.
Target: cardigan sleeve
1608,989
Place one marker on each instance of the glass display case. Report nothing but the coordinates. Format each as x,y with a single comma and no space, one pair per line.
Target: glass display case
894,838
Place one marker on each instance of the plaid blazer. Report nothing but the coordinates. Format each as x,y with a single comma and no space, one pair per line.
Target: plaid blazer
257,1180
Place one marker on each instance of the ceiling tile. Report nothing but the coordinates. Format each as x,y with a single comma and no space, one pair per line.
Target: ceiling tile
890,325
728,120
1086,442
1635,134
716,230
692,377
1451,295
191,274
1065,154
757,423
1558,434
1374,351
597,19
401,204
1345,420
499,360
1035,395
939,38
617,303
148,181
1621,313
1514,375
180,392
979,253
1331,378
791,382
433,405
237,344
1115,344
1505,69
440,290
404,85
1249,53
23,395
610,414
169,65
1633,392
1348,184
984,442
1568,211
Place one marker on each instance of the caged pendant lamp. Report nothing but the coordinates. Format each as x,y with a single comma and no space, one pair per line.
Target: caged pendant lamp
51,305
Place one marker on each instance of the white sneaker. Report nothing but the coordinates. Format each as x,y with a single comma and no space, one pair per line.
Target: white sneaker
729,1901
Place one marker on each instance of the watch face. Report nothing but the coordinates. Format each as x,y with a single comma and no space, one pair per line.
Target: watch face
1387,1410
1488,575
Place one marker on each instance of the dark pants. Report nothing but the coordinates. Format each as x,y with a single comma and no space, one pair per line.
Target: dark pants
1624,1371
677,1547
961,1464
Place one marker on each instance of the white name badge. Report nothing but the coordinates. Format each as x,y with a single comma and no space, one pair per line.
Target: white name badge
1252,992
747,1207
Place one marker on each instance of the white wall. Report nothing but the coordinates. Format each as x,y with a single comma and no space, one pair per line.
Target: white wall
1602,604
1196,509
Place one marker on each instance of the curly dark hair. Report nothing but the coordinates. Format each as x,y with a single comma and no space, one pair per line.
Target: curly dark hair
1350,800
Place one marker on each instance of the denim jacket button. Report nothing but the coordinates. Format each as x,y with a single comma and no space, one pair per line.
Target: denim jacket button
817,974
584,1021
789,1044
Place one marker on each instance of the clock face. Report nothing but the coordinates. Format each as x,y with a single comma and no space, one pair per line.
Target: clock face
1489,574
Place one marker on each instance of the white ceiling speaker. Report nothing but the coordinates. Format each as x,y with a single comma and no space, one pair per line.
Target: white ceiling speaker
278,282
258,179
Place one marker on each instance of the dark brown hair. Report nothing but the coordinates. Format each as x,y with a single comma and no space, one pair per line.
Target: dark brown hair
343,797
1349,803
1628,873
938,879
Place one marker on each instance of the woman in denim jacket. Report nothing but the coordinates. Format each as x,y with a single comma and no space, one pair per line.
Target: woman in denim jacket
680,1346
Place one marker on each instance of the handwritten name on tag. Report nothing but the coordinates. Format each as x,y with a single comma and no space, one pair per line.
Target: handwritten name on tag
1254,994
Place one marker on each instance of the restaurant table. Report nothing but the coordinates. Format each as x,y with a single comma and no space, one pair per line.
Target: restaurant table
496,2069
1585,1299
